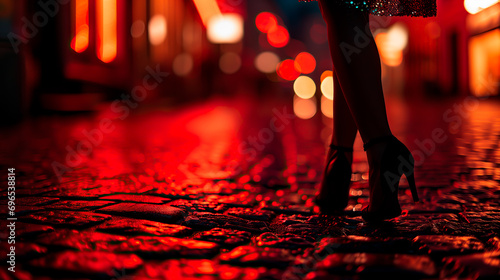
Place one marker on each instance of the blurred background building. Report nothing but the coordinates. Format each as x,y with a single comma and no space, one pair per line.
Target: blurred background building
69,55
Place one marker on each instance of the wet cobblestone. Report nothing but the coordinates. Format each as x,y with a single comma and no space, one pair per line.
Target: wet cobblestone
169,195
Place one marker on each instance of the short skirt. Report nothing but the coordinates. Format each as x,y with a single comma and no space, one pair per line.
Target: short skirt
414,8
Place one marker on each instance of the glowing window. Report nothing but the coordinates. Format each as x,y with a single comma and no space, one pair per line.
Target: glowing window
80,25
106,30
484,64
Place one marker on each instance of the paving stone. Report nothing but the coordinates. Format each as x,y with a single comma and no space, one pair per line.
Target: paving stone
474,266
421,208
226,238
81,189
167,247
285,241
66,218
159,213
202,269
305,226
171,193
144,246
32,201
242,199
377,266
352,244
134,227
441,245
19,274
251,214
99,265
80,205
205,220
288,209
23,251
199,206
25,231
413,225
141,198
73,194
19,212
258,256
81,240
494,243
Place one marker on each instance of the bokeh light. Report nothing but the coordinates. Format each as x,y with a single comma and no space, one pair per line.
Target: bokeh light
326,74
327,87
183,64
327,107
230,63
391,44
475,6
319,34
288,70
306,61
267,62
265,21
304,108
389,55
225,29
433,30
278,36
304,87
157,29
137,29
397,36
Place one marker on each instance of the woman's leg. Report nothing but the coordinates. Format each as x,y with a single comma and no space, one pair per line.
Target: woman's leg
357,66
344,127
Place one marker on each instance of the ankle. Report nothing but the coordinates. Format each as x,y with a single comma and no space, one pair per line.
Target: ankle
341,148
374,141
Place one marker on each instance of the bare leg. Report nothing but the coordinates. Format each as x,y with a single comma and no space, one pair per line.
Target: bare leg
344,127
357,65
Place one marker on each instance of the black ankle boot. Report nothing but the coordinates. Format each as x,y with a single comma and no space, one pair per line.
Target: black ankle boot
334,192
396,160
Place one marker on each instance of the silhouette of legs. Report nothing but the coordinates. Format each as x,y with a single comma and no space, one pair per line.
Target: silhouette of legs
357,66
344,127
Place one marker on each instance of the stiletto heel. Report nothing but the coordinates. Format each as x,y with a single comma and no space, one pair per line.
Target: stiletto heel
334,191
385,174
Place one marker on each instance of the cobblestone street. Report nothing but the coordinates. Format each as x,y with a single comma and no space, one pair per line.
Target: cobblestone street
224,189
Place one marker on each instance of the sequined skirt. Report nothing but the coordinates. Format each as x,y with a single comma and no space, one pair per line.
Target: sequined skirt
414,8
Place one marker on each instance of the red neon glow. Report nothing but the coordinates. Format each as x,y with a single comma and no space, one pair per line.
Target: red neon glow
106,30
80,41
265,21
306,61
288,70
278,36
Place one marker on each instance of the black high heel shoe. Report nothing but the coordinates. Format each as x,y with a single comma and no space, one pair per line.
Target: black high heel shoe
334,192
396,160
